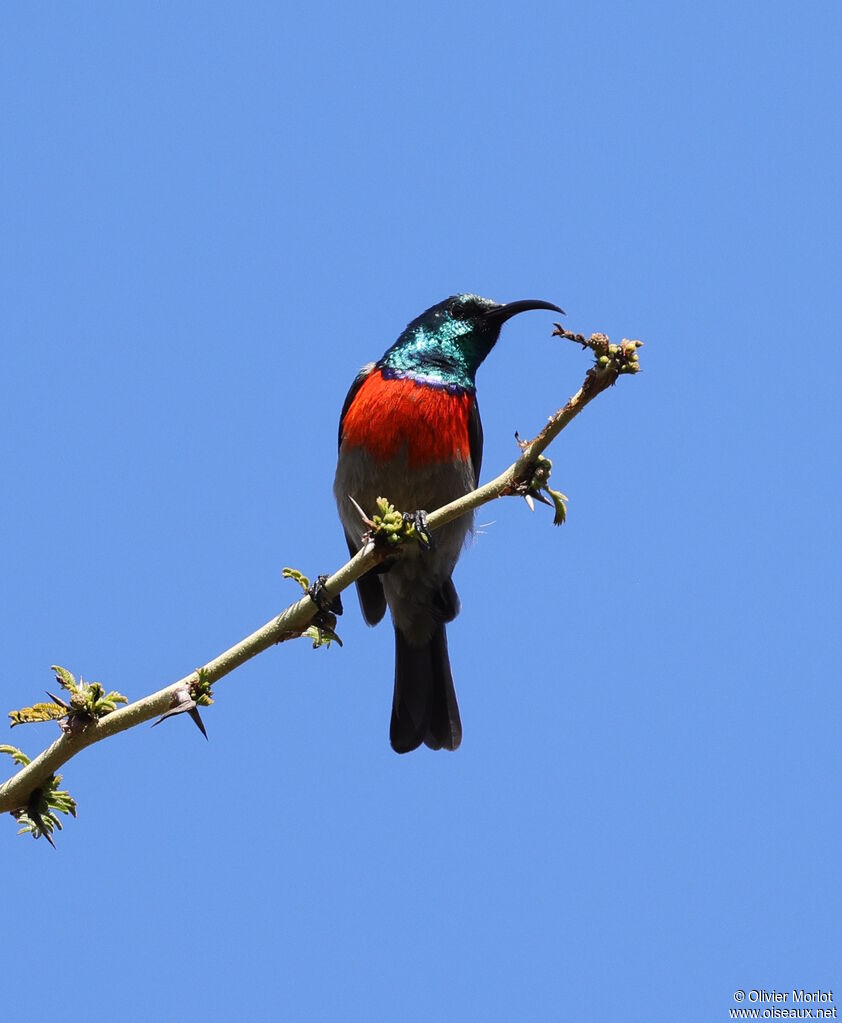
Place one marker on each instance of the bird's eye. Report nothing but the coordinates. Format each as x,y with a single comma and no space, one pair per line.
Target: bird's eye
458,310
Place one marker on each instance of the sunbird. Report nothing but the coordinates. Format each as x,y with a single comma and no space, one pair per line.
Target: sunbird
410,431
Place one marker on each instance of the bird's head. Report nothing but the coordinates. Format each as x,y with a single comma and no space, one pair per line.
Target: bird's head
449,341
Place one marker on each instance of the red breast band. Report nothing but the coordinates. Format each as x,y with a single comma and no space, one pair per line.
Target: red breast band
387,414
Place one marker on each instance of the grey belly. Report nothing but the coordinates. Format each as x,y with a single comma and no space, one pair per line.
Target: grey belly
408,585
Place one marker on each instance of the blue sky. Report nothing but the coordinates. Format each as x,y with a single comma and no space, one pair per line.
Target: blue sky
211,216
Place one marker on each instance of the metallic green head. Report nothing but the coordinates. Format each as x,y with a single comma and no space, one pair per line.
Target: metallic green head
446,345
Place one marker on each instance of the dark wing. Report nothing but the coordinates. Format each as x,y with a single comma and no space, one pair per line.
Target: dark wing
369,587
475,439
355,386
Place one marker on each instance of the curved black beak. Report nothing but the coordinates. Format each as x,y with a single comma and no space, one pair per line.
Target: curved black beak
505,312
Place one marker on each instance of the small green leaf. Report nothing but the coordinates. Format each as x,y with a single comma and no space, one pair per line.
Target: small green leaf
321,636
299,577
38,818
105,703
88,700
389,524
560,504
200,690
37,712
64,678
17,755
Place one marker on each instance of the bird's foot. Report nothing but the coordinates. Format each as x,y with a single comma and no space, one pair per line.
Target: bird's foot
416,527
322,628
326,605
391,527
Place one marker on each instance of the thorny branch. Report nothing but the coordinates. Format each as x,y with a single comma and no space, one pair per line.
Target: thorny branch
192,691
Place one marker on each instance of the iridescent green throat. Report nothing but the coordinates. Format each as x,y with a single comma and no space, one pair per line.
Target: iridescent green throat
441,351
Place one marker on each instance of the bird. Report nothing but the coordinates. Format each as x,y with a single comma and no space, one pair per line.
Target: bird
410,431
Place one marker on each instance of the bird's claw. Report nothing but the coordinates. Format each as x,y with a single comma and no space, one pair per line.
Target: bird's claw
326,605
418,521
323,625
391,527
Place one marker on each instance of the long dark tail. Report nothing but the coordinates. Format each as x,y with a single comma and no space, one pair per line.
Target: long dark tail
424,707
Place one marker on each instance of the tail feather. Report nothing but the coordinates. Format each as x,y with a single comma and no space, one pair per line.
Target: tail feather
424,707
